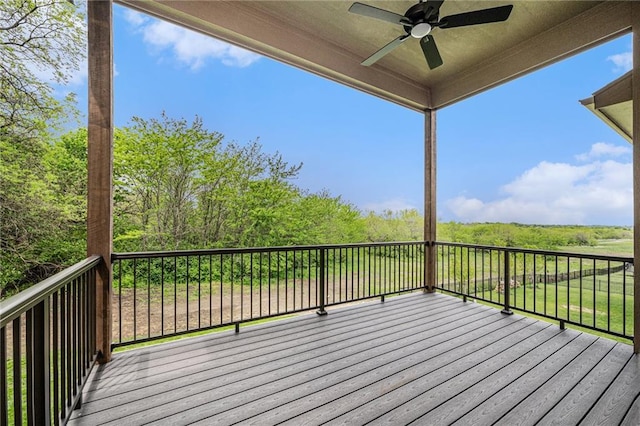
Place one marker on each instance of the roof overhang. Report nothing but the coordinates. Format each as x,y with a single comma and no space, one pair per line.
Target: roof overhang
324,38
613,105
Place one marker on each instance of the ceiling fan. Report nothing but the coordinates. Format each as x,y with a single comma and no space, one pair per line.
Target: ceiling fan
420,19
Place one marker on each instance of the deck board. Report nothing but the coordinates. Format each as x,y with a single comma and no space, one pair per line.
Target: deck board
328,366
294,358
501,402
423,358
348,397
543,398
444,403
632,417
397,360
577,403
614,403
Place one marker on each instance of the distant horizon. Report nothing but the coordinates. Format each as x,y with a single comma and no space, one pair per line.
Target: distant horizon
539,225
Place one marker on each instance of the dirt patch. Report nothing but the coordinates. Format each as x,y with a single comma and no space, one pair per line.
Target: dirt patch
152,312
575,308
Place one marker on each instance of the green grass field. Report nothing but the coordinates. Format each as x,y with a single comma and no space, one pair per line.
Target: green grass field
604,247
593,309
594,299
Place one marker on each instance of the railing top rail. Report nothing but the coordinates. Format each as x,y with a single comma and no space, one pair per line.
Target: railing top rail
206,252
27,299
628,259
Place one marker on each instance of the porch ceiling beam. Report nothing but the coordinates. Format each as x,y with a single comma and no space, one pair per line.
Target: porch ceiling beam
238,23
600,23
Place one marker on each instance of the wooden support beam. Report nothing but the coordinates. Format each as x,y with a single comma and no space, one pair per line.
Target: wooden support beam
430,218
636,175
100,162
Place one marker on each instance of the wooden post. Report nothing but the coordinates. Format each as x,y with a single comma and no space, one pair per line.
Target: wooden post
430,218
100,163
636,175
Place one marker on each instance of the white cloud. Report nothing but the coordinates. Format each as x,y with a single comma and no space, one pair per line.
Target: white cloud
188,47
135,18
602,149
394,205
623,61
599,192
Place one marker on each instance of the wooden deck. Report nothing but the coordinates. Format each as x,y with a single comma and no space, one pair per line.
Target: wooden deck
420,358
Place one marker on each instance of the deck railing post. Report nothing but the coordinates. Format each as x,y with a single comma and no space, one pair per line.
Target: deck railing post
507,285
40,408
323,282
430,264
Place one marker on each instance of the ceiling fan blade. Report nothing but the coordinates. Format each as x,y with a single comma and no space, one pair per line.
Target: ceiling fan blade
485,16
374,12
430,50
432,8
386,49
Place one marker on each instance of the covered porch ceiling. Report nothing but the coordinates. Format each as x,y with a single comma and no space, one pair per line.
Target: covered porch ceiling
324,38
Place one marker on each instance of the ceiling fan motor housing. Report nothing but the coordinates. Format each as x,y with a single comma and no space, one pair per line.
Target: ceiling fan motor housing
420,22
420,30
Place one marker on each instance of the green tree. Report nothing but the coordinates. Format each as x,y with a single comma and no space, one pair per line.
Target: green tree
41,43
66,172
403,225
37,38
42,207
155,164
180,185
323,219
24,208
254,198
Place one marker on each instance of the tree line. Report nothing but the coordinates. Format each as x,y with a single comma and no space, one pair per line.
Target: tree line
181,186
543,237
178,185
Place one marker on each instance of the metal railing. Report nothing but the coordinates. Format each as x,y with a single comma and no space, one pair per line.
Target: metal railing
161,294
47,346
591,291
47,333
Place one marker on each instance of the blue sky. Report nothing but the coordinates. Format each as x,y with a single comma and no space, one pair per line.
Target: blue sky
524,152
